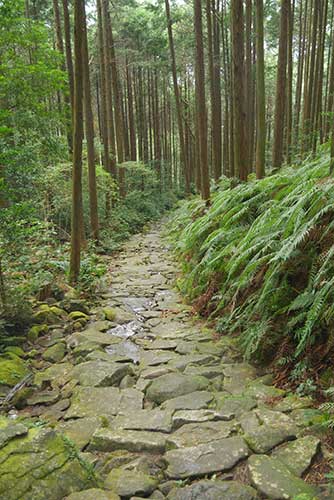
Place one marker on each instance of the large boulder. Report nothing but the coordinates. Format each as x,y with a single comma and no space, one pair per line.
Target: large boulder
40,464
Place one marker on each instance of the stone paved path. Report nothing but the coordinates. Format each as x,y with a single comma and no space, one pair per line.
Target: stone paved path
161,410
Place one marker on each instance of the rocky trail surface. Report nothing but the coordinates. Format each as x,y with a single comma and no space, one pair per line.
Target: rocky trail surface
134,399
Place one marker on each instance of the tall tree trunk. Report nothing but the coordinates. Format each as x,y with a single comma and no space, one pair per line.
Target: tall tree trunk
89,126
77,143
239,104
260,94
132,129
249,84
178,104
60,48
119,123
280,104
201,111
68,49
289,116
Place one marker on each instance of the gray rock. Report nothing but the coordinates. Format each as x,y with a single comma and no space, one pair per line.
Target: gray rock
92,402
205,371
293,402
127,483
236,405
196,461
145,420
154,372
80,431
93,494
181,362
193,401
92,335
265,429
298,455
199,433
153,358
274,480
161,344
101,373
10,431
57,375
55,353
237,377
214,490
173,385
135,441
103,401
182,417
263,391
44,398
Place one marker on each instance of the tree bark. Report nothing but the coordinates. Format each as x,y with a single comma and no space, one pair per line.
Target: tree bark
281,92
201,111
77,143
89,125
240,115
260,94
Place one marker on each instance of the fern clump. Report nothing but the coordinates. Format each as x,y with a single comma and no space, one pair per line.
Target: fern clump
261,259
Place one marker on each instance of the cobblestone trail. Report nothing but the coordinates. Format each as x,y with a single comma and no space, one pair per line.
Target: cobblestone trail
156,406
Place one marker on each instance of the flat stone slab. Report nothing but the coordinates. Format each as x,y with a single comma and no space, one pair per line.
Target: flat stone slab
193,401
205,371
153,358
103,401
145,420
182,417
92,335
214,490
263,391
293,402
161,344
80,431
265,429
173,385
236,405
199,433
196,461
101,373
127,483
106,439
237,377
298,455
275,481
181,362
57,375
93,494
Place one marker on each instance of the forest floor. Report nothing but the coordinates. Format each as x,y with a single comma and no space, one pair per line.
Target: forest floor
152,404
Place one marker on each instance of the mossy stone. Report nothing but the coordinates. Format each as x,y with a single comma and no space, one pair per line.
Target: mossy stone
55,353
20,398
18,351
12,370
46,465
37,330
78,315
109,313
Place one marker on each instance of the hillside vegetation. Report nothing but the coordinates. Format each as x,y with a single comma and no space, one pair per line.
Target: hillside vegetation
260,261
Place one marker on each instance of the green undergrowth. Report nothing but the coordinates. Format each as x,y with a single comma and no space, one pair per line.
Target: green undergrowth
35,236
260,261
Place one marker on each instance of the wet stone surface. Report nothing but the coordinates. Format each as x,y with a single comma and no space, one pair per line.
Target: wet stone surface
144,403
